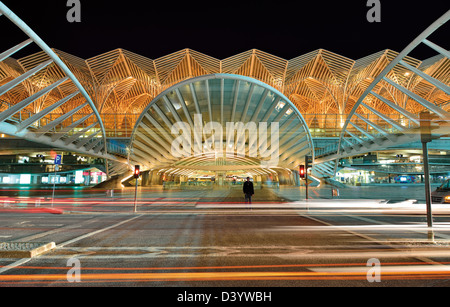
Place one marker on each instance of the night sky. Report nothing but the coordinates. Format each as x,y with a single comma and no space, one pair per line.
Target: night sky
225,28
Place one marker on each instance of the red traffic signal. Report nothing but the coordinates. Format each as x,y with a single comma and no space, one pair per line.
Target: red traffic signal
137,171
302,172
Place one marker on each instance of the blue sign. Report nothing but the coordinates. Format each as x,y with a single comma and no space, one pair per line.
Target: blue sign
58,160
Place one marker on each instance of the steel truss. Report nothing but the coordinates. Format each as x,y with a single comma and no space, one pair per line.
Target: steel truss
369,128
52,97
47,99
252,101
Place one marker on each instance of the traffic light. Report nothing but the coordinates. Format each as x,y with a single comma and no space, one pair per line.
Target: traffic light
137,171
302,172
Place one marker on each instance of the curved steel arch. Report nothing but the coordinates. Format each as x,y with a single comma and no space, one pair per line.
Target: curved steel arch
362,139
399,60
66,131
151,138
357,143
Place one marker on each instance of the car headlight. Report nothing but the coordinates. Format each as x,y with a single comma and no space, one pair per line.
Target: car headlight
447,199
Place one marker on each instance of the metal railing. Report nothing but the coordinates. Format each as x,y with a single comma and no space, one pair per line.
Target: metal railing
117,149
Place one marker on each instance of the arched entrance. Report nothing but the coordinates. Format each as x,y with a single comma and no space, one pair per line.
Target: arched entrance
219,129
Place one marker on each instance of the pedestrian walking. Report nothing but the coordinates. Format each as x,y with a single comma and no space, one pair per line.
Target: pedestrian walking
249,191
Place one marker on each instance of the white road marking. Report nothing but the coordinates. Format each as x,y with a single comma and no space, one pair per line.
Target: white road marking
14,265
423,268
25,260
96,232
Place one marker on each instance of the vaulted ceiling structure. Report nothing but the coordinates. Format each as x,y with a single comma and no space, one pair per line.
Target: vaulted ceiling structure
321,82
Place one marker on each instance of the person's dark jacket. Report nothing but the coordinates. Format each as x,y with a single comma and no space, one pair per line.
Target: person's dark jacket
248,188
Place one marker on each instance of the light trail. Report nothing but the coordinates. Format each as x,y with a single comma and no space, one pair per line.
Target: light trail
132,282
327,274
234,267
313,272
313,206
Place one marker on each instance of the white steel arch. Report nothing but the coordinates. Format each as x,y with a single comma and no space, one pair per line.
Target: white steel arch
65,130
220,99
368,129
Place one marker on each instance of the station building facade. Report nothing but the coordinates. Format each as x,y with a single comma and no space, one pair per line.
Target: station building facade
141,100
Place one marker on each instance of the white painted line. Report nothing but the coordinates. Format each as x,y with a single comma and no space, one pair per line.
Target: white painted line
96,232
14,265
391,269
416,228
25,260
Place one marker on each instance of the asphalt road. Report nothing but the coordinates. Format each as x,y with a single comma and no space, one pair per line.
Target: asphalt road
211,239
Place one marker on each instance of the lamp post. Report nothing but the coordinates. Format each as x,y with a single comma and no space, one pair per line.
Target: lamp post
137,174
308,164
425,136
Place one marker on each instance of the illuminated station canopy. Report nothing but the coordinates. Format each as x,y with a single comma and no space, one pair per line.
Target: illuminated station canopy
60,100
228,122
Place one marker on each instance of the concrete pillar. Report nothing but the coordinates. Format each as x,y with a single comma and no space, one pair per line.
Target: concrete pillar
145,179
296,178
220,178
156,179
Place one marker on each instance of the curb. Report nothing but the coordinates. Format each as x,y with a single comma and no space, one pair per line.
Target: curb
25,249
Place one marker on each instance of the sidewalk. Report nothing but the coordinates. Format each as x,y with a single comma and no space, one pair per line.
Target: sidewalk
393,192
261,196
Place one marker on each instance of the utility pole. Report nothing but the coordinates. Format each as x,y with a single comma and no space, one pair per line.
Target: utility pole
302,173
425,136
308,164
137,174
58,162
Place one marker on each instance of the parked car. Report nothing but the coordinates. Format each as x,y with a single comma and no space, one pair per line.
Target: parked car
442,194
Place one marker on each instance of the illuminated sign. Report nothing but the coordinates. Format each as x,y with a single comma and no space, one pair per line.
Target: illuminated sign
25,179
79,179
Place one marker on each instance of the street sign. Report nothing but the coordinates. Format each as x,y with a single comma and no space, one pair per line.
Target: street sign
58,160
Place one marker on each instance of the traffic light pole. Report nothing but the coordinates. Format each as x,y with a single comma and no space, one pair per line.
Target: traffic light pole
426,171
135,195
137,174
308,164
306,183
425,135
58,162
54,185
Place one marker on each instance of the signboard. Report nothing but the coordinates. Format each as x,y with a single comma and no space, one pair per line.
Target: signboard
58,160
